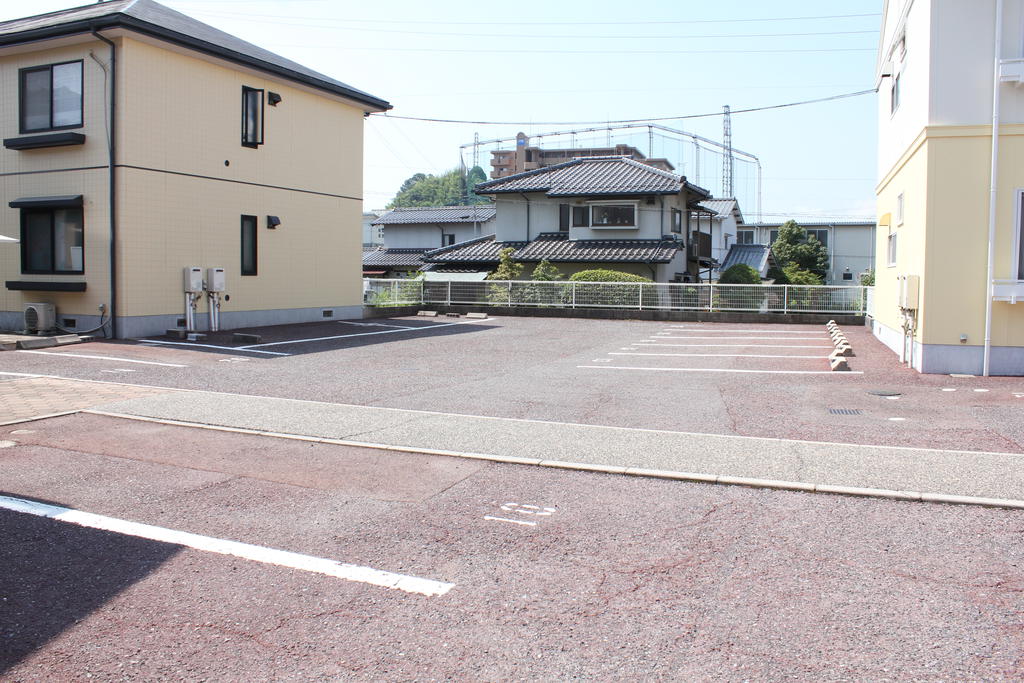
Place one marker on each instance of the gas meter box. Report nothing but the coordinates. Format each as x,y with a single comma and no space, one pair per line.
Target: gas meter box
193,279
215,280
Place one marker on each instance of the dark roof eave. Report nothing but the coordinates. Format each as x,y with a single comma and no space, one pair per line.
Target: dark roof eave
549,193
125,21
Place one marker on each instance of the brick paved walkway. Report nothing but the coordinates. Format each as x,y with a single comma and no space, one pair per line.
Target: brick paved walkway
31,397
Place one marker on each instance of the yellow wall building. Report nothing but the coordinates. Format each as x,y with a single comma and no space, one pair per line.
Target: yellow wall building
935,161
220,153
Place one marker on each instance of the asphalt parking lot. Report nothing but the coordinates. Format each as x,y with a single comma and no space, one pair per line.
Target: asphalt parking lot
303,506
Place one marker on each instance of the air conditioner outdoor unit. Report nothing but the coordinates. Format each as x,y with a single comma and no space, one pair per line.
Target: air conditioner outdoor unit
40,317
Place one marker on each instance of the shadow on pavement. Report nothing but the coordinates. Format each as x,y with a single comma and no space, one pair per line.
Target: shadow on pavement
305,338
53,574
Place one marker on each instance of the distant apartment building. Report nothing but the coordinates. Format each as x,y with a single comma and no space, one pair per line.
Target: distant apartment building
523,158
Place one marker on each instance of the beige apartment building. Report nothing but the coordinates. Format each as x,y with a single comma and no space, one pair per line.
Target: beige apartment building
139,142
506,162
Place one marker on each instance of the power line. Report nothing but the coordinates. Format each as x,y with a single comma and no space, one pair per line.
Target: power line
594,123
580,52
542,23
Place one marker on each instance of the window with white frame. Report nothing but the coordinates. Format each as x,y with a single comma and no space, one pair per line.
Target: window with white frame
1020,235
613,215
899,209
890,252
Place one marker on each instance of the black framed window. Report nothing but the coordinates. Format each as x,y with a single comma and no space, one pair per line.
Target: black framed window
820,235
563,217
744,237
447,239
772,236
894,101
52,241
50,97
249,251
677,221
252,117
609,215
581,216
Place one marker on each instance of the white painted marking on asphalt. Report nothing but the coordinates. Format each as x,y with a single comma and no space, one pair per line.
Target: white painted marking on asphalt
765,372
981,390
113,358
24,431
401,327
729,331
711,355
897,419
527,509
117,371
211,346
743,346
745,337
510,521
283,558
233,360
358,334
601,360
891,398
8,444
948,389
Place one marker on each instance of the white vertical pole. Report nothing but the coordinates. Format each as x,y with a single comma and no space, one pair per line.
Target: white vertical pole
510,293
449,302
785,298
711,296
574,294
994,174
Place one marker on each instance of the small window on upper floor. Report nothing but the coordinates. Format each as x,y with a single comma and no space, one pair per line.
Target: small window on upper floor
899,209
677,221
894,94
50,97
744,237
252,117
564,212
819,234
447,239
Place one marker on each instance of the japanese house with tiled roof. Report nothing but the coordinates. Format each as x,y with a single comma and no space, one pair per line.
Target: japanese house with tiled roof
596,212
411,231
138,141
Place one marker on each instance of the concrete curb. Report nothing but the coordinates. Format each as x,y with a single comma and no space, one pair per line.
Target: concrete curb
35,418
694,477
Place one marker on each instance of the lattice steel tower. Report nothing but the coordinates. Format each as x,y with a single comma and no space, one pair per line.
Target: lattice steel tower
727,172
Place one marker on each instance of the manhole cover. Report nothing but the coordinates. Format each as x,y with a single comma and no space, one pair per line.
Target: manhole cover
885,392
845,411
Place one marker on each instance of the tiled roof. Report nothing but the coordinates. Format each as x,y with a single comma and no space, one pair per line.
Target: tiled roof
557,247
153,19
437,214
479,250
393,258
592,176
723,207
757,256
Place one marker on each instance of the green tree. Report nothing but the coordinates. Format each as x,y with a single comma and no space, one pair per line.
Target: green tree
545,271
507,268
798,276
868,279
740,274
605,275
447,189
794,248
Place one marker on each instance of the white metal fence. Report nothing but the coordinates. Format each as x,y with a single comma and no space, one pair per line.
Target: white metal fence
629,295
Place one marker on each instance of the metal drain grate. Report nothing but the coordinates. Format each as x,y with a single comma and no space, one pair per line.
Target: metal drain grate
845,411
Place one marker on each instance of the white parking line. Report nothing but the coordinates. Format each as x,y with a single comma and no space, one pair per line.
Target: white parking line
755,372
510,521
401,327
256,553
751,338
711,355
358,334
704,329
740,346
210,346
113,358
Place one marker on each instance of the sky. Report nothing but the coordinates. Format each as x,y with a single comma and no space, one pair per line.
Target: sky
541,67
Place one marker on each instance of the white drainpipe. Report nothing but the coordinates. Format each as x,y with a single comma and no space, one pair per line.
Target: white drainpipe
989,273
